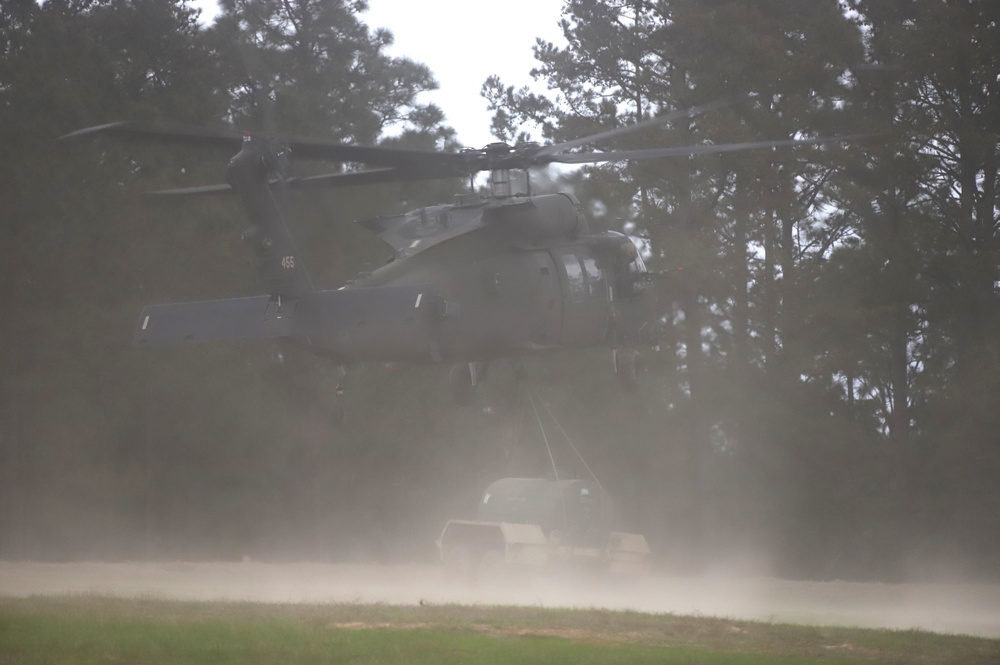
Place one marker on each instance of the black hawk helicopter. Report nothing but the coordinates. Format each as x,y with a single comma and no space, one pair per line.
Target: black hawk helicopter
470,282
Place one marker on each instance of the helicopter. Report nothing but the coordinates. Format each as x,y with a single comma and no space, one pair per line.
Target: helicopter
469,282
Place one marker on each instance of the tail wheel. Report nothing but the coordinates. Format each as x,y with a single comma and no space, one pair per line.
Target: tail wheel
464,379
339,405
628,367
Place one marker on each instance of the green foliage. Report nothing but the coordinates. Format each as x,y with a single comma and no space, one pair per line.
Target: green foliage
109,451
313,67
825,393
830,319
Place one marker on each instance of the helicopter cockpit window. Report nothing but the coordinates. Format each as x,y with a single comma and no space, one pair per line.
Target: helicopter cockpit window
585,278
575,278
595,278
630,277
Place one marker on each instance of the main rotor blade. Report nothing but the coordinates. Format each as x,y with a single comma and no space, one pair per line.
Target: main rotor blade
377,156
323,181
628,129
204,190
683,151
399,165
224,138
368,177
448,164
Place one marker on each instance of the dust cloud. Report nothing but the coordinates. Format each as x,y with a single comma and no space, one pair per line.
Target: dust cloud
942,608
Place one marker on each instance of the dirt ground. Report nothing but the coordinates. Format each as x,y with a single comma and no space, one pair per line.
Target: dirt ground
943,608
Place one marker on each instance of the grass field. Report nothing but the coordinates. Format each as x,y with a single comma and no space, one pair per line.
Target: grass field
94,629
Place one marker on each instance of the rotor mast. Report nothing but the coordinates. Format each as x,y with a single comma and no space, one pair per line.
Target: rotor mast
493,157
500,187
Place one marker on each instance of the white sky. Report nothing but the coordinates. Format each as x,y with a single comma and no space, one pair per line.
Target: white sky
463,42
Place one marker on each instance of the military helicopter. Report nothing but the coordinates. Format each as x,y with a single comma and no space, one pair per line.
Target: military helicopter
470,282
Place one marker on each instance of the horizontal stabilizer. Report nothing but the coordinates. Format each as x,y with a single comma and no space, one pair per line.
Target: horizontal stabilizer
233,318
345,312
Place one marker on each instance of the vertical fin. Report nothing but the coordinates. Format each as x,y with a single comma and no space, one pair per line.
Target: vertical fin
278,258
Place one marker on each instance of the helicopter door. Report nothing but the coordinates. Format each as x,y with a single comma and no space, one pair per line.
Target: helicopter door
586,301
547,306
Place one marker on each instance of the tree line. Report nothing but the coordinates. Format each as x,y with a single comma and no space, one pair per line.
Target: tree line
823,401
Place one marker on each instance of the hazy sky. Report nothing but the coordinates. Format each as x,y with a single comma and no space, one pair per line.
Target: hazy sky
463,42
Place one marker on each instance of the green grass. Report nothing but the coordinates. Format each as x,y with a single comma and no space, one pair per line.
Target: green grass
90,629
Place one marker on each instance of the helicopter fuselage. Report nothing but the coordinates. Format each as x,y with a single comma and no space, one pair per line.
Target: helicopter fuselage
467,283
511,303
511,285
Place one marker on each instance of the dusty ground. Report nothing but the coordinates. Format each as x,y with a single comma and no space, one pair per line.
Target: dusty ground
945,608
